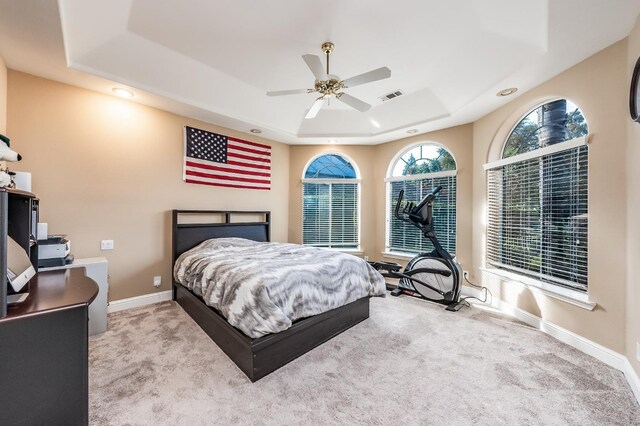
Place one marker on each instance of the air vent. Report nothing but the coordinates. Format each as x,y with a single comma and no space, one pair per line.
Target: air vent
391,95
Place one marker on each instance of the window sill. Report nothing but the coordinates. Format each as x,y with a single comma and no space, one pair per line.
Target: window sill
399,256
573,297
355,252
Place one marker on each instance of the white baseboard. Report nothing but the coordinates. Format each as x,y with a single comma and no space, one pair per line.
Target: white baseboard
632,378
606,355
137,301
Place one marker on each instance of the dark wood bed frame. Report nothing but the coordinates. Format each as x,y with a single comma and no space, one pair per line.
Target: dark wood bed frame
261,356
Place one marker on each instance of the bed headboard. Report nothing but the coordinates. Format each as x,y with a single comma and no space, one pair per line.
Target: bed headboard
187,235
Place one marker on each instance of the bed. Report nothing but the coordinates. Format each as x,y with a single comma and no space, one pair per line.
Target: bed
256,357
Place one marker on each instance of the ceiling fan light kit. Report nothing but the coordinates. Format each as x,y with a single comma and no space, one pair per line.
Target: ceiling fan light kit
328,84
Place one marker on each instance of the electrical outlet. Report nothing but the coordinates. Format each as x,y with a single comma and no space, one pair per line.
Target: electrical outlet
106,245
157,281
465,274
366,258
638,351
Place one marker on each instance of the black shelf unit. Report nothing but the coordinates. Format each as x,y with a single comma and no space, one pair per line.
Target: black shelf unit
22,217
19,212
4,197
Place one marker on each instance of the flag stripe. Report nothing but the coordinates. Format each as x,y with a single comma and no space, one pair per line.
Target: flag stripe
250,159
209,177
225,177
230,173
259,159
224,184
236,165
247,157
225,169
243,145
255,166
259,145
249,150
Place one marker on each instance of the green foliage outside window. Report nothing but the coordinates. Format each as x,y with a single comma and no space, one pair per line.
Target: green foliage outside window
440,162
526,136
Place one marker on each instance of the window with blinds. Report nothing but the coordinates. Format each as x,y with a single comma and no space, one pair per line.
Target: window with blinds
538,200
418,171
330,210
406,238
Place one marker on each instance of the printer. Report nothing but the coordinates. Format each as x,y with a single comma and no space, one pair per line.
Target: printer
54,251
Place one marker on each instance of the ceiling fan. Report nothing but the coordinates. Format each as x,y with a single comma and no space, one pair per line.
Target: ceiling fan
328,84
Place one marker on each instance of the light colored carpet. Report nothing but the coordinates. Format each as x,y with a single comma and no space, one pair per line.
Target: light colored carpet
410,363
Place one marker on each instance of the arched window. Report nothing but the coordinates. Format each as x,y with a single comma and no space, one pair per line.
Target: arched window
538,198
330,210
418,170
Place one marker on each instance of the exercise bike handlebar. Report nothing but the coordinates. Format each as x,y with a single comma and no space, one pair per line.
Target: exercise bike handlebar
397,209
412,213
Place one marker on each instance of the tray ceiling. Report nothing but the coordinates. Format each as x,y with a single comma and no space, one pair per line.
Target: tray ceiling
216,60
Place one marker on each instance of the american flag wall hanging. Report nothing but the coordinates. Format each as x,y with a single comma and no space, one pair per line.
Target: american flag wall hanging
213,159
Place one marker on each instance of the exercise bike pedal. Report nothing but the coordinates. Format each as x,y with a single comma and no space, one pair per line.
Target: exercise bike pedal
454,307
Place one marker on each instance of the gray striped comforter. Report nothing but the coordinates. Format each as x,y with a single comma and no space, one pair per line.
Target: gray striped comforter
262,288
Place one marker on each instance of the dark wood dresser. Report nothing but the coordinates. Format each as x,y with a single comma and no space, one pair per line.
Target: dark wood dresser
44,352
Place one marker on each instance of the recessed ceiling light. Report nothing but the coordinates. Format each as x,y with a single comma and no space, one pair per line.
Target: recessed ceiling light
123,93
410,131
507,92
375,123
256,131
332,141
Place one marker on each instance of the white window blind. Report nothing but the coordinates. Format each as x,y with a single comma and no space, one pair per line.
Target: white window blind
330,215
538,217
406,238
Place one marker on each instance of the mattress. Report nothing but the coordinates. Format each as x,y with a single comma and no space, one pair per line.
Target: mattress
262,288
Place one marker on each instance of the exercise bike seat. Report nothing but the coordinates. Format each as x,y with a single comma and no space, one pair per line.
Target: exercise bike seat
386,266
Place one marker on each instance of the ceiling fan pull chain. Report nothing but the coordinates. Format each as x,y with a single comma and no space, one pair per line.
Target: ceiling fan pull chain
327,62
327,48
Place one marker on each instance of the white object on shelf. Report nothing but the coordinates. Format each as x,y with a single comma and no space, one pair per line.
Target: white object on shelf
42,231
97,269
23,181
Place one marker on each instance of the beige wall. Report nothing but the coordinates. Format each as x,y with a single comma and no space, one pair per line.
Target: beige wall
3,97
373,162
105,168
633,212
598,86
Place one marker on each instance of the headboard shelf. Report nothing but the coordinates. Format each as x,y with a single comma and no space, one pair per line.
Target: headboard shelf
221,212
204,225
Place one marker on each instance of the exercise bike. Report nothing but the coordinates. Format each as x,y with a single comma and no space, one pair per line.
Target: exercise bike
434,276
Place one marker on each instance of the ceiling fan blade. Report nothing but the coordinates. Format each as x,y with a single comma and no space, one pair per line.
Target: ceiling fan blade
315,65
287,92
353,102
315,108
368,77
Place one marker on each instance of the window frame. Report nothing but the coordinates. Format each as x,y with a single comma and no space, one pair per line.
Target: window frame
357,181
566,294
390,178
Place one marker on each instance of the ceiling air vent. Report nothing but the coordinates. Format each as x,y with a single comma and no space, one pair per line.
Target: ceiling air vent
391,95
